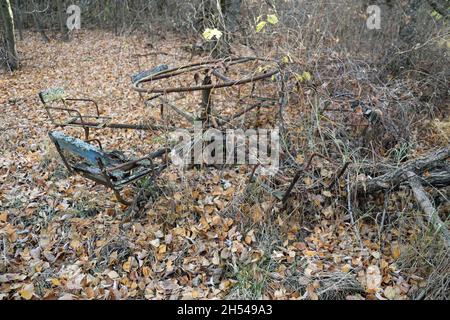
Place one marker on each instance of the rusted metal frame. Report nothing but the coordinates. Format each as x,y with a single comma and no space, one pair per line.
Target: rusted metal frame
194,67
97,141
136,177
188,116
96,125
48,108
169,73
68,110
97,178
110,184
143,127
242,112
86,100
206,87
206,101
107,170
150,157
63,157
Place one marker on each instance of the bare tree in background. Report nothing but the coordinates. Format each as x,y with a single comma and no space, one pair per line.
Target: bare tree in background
62,22
8,21
224,15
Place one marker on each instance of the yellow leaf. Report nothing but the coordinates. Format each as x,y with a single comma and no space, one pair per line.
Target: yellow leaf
209,33
306,76
27,292
257,213
55,282
162,249
260,26
310,253
286,59
146,271
346,268
395,249
299,158
127,266
271,18
3,217
308,181
327,194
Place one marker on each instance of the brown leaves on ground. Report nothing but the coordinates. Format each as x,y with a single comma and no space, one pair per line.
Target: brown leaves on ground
65,238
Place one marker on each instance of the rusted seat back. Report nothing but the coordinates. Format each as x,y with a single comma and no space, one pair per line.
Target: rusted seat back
64,111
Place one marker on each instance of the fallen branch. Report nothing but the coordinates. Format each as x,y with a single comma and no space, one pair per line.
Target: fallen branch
394,178
424,202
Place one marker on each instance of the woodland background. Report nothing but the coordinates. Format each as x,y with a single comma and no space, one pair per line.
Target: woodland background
214,232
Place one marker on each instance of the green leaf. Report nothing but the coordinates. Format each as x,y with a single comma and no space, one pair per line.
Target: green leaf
286,59
271,18
306,76
436,15
260,26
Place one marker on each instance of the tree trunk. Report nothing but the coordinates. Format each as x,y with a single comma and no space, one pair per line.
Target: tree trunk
223,15
39,27
8,21
19,20
62,23
231,10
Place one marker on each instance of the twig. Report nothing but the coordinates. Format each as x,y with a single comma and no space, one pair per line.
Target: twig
298,175
430,212
340,173
350,209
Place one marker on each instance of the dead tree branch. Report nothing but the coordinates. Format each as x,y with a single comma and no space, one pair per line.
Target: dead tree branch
424,202
394,178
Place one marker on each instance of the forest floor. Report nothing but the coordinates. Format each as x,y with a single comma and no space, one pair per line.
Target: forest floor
63,237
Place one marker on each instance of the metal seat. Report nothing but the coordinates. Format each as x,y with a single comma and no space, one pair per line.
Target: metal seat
107,168
74,117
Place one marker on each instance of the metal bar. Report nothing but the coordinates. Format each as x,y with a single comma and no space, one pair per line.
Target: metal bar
86,100
205,87
182,113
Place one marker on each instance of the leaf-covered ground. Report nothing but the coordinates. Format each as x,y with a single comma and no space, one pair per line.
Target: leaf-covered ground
204,233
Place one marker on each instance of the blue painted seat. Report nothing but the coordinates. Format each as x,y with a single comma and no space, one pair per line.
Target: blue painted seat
107,168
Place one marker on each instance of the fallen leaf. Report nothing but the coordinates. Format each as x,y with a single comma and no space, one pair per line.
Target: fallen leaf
373,279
